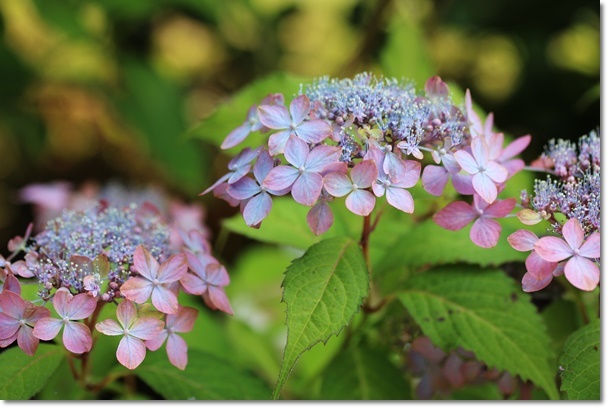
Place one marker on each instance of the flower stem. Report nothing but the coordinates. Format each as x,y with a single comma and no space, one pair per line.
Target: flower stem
539,170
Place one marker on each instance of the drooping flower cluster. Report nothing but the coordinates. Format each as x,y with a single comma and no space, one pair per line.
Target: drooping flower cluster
125,254
569,200
353,138
440,373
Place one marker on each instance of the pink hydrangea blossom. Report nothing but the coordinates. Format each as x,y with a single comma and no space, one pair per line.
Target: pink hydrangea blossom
292,122
485,231
131,349
362,176
8,281
580,253
208,279
17,320
177,349
76,336
394,187
539,273
155,280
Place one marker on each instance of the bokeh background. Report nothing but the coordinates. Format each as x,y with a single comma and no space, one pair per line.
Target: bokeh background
107,89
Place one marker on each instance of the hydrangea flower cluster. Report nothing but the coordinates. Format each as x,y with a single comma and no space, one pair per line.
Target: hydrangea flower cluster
569,200
134,256
365,138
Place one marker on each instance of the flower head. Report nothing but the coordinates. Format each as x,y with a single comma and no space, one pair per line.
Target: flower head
17,320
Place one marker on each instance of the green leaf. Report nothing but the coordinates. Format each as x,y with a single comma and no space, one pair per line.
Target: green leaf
323,290
580,362
23,376
487,313
205,378
363,373
233,113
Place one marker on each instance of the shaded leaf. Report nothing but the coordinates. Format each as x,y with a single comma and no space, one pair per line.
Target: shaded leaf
484,312
580,362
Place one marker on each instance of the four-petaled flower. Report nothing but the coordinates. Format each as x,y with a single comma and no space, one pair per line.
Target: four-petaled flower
485,231
76,336
362,176
292,123
486,173
17,320
177,349
304,177
156,280
580,270
131,349
208,280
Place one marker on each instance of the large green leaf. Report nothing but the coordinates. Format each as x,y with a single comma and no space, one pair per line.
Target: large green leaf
233,112
205,378
363,373
487,313
580,364
23,376
323,290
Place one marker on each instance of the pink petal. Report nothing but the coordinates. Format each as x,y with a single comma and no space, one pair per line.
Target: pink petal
538,267
281,177
466,161
531,284
145,263
263,166
164,299
513,166
220,191
322,157
77,338
500,208
455,216
320,218
137,289
463,183
480,152
553,249
573,233
20,268
257,209
216,184
314,131
198,264
485,232
218,276
126,313
496,172
157,341
361,202
377,155
243,189
450,163
296,151
410,177
8,326
394,166
12,284
146,328
474,120
216,298
236,136
274,116
434,179
582,273
337,184
47,328
81,306
515,147
494,141
173,269
12,304
364,173
522,240
109,327
177,351
193,284
8,341
183,321
400,199
435,87
485,187
591,247
60,301
277,141
27,341
299,109
131,352
243,160
35,313
307,188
